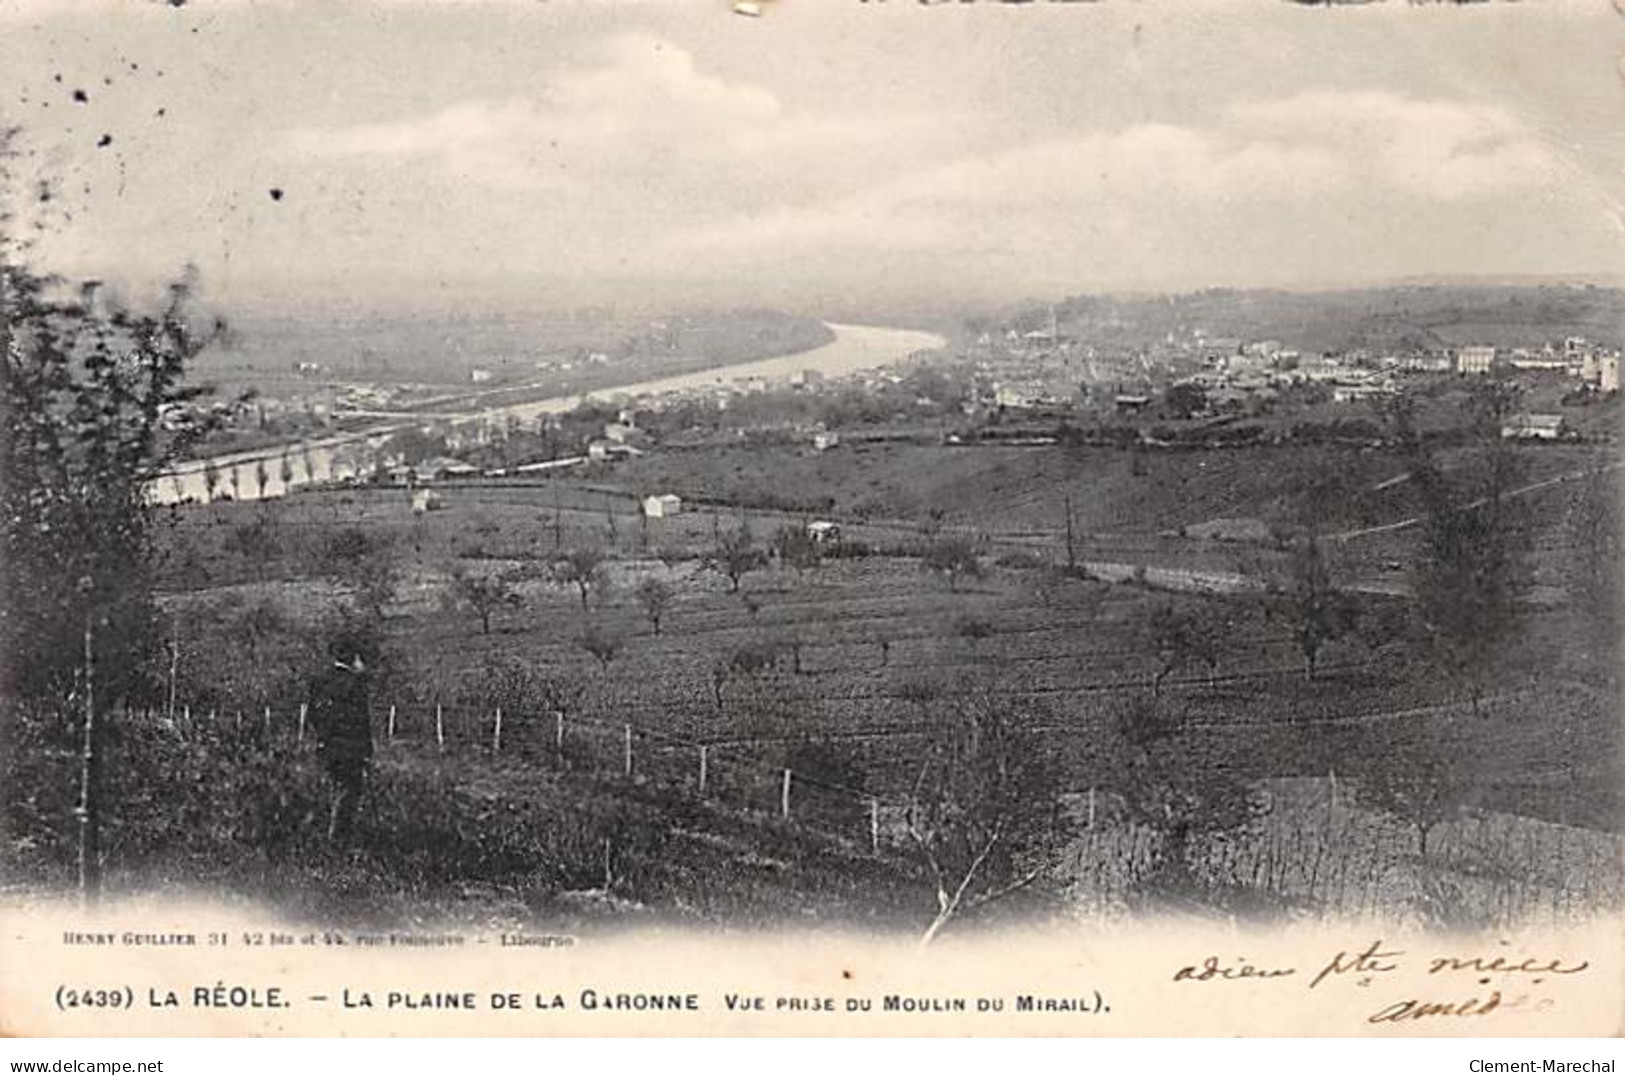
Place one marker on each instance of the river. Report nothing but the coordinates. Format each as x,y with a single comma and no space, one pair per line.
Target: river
266,473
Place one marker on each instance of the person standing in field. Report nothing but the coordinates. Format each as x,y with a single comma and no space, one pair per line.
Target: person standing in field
340,704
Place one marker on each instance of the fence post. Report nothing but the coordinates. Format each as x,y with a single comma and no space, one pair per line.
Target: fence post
267,720
439,726
558,730
186,713
391,732
874,825
1091,807
303,709
626,767
214,716
703,750
784,797
496,735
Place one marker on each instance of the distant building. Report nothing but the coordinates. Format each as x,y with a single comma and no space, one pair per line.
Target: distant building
599,450
443,467
1535,427
1524,359
823,532
1475,360
824,440
662,506
1608,373
425,500
1131,404
1354,393
479,376
1419,362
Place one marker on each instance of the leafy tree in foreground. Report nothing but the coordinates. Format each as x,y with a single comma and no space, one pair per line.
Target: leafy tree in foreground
82,385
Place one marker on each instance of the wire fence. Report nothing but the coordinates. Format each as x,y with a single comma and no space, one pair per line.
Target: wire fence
1312,849
731,771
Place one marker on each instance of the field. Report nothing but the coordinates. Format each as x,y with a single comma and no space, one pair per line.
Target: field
834,675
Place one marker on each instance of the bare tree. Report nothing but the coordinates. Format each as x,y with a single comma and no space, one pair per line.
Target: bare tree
981,812
582,568
1424,782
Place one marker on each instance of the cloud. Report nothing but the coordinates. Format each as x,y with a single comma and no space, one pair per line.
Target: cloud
640,114
641,163
1432,148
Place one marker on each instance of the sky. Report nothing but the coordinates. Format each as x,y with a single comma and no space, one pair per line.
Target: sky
831,156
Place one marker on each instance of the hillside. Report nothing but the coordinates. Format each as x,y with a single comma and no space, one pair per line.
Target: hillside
1391,318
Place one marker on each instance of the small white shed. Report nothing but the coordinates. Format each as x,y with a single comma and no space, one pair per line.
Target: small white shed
660,507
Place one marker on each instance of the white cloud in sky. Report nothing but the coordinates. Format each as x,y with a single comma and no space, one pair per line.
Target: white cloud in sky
640,161
1431,148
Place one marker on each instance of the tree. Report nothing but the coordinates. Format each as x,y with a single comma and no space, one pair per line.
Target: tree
655,596
413,445
366,564
481,594
1593,529
973,629
212,480
1423,783
600,645
1472,570
1168,788
953,556
1318,612
795,547
83,385
735,556
582,568
1178,636
1184,400
255,541
981,812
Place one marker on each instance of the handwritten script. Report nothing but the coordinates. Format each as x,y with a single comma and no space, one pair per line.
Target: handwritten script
1468,983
